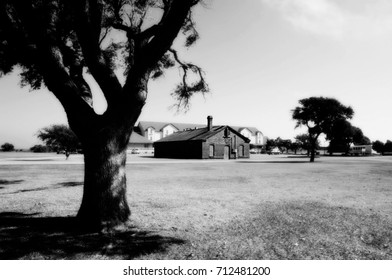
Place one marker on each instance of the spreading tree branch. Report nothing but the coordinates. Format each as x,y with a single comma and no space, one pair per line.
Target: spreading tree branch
169,27
148,51
88,14
55,72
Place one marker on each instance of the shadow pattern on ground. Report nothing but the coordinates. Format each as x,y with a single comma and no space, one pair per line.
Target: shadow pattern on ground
25,237
56,186
10,182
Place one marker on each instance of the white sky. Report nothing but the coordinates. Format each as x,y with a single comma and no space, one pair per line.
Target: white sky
260,58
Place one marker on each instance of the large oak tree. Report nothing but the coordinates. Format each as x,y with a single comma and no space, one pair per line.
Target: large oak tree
319,114
58,43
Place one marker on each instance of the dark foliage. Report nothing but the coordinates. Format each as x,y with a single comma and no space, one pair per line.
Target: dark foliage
60,138
116,33
7,147
378,146
388,147
342,134
302,140
40,149
319,114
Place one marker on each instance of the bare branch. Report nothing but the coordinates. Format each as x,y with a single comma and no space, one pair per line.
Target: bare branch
184,91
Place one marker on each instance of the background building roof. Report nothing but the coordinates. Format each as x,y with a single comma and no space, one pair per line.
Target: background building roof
158,126
200,134
136,138
254,130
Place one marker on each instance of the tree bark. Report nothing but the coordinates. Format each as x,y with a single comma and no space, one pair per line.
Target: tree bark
104,203
105,140
313,149
312,155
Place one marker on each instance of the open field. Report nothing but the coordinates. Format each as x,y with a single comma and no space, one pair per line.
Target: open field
268,207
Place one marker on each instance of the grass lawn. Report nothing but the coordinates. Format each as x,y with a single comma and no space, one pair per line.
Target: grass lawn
268,207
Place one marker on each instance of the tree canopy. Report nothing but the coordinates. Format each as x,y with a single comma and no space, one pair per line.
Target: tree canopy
122,45
388,147
62,40
342,134
378,146
7,147
60,138
319,114
302,141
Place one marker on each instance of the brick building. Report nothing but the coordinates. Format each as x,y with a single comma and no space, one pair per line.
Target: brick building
210,142
155,131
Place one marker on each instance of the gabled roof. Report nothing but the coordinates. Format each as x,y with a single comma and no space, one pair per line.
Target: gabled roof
200,134
158,126
254,130
136,138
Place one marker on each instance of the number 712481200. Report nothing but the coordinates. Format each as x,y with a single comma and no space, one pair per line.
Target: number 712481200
243,271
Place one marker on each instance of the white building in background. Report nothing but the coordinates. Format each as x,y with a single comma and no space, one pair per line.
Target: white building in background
256,136
155,131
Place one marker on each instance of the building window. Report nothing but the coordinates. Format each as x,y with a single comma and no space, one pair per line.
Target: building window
212,151
150,134
258,138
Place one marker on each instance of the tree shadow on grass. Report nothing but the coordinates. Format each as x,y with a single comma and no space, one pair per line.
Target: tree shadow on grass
57,186
10,182
25,237
70,184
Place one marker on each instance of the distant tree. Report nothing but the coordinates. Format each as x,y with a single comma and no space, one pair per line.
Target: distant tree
388,147
40,149
318,114
303,142
279,144
378,146
287,143
60,138
359,138
7,147
283,144
270,144
342,135
62,43
295,146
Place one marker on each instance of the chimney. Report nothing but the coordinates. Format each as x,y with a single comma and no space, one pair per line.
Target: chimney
209,122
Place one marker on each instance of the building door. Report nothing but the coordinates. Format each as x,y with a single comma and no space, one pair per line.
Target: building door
226,152
212,151
241,151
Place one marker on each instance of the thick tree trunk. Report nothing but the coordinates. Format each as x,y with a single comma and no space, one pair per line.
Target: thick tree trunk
104,203
312,155
312,149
